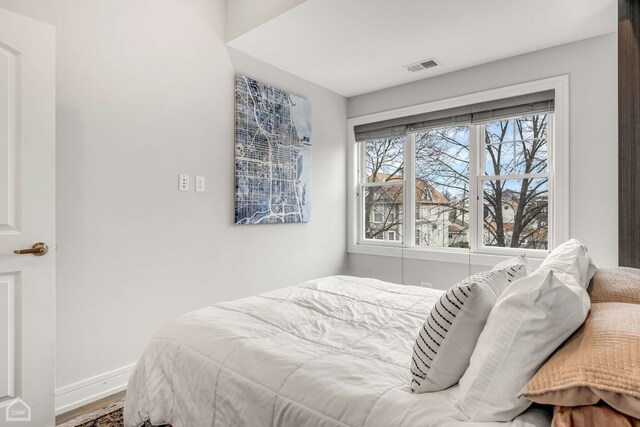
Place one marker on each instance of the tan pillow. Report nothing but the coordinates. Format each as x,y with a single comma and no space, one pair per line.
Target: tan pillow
619,284
601,360
591,416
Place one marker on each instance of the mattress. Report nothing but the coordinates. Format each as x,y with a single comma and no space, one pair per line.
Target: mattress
329,352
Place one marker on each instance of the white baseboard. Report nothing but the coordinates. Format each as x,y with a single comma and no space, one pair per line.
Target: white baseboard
83,392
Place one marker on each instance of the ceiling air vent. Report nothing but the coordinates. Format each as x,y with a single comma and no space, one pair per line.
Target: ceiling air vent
429,63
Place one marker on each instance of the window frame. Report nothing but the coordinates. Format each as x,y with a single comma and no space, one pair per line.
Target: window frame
558,175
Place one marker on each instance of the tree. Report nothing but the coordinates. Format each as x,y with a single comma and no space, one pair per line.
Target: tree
524,152
384,162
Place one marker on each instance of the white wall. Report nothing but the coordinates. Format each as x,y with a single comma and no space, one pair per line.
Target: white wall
145,92
245,15
593,108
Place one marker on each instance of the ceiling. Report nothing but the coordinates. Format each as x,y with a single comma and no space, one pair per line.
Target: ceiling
359,46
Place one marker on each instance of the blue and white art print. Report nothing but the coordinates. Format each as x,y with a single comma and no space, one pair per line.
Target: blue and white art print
273,154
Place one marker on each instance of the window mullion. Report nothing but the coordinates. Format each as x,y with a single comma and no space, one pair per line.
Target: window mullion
552,220
394,183
475,158
361,207
409,205
514,176
481,165
362,164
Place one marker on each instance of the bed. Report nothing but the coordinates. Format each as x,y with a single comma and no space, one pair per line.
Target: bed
329,352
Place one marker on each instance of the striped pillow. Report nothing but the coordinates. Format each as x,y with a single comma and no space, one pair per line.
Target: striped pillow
516,267
446,341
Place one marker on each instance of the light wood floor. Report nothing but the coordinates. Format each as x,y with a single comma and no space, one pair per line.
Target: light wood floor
95,406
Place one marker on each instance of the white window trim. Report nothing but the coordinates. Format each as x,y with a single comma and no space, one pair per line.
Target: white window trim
558,172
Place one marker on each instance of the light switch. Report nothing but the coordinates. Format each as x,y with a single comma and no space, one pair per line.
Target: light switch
183,184
200,184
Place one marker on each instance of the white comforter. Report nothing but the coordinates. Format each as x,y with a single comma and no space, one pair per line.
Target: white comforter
329,352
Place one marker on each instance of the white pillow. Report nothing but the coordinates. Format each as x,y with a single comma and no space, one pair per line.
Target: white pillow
531,319
445,342
571,260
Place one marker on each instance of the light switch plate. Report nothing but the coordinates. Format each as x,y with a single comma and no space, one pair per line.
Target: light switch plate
426,284
183,184
200,184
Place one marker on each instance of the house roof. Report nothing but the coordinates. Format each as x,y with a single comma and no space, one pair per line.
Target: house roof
456,228
425,192
506,226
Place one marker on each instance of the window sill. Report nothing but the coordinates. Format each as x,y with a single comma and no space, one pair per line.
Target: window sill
456,256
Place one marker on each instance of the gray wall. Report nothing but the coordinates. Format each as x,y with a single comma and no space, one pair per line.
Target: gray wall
593,131
144,93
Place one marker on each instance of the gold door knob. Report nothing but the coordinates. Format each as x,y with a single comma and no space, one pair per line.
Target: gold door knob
38,249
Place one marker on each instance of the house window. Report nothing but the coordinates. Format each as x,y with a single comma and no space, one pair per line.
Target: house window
469,177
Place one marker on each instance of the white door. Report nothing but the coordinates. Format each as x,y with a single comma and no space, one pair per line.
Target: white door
27,185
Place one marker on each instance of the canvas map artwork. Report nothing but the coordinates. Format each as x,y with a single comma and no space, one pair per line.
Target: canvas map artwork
273,155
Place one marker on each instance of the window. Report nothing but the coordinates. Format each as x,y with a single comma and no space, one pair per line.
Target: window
473,177
382,187
515,182
442,187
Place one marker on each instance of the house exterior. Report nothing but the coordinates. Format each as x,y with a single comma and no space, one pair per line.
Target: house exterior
443,222
435,214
